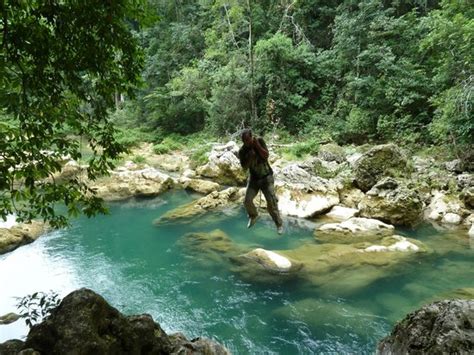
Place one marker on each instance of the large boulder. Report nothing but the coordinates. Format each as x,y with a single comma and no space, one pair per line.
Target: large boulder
201,186
303,195
84,323
124,183
444,327
353,230
223,165
392,202
190,211
271,261
20,234
382,160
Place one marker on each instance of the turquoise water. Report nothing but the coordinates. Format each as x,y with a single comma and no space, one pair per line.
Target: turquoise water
141,268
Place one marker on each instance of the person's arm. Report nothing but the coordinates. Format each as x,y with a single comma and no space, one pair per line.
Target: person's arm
243,159
261,147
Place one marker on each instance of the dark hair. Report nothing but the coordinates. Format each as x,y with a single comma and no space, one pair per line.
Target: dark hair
246,132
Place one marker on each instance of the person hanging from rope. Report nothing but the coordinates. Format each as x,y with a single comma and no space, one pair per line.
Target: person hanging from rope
253,156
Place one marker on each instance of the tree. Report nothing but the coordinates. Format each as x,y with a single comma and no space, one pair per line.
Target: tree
60,65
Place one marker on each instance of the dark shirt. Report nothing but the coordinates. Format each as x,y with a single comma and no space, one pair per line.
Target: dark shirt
252,160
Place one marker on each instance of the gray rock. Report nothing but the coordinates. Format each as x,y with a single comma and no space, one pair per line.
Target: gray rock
454,166
392,203
443,327
465,180
332,152
381,160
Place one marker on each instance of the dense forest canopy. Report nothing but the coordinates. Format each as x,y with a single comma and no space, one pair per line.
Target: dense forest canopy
346,70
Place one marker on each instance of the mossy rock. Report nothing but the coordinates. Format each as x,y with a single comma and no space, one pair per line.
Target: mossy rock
381,160
332,152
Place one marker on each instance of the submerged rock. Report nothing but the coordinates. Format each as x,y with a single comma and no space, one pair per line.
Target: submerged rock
20,234
188,212
353,230
395,243
84,323
271,261
381,160
443,327
392,202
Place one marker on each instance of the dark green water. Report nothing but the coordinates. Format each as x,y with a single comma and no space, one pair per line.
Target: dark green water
142,268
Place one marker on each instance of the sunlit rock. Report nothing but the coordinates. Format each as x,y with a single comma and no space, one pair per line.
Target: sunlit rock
20,234
122,184
199,185
303,195
443,327
471,231
212,202
451,218
392,202
223,165
379,161
442,204
342,213
353,230
270,260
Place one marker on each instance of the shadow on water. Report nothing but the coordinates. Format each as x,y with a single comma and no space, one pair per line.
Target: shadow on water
186,280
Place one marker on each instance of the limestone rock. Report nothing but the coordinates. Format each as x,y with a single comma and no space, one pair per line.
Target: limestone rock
442,204
342,213
443,327
188,212
465,181
351,197
392,202
471,231
224,165
380,161
353,230
84,323
21,234
305,201
451,218
124,183
201,186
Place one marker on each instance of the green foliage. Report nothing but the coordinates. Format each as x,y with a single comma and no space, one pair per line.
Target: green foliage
169,144
37,306
61,65
308,146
